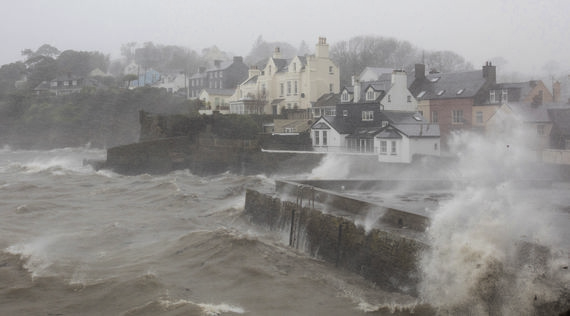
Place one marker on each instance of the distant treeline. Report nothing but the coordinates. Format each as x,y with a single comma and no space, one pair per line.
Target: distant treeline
102,118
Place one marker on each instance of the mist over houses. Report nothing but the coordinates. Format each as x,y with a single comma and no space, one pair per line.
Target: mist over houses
393,114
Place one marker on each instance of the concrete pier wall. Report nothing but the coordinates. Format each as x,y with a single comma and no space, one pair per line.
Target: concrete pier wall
387,256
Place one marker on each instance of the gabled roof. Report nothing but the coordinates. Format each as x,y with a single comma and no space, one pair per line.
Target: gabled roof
281,64
223,65
452,85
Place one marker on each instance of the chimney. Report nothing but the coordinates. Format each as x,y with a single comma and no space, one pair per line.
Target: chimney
217,63
238,59
556,92
322,48
356,89
420,71
490,73
399,78
253,71
277,53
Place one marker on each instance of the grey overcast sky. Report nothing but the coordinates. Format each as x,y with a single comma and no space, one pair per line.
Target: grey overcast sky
527,33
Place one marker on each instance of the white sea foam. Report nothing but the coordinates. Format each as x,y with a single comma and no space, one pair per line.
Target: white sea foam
473,263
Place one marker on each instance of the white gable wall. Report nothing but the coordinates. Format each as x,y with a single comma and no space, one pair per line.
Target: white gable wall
399,98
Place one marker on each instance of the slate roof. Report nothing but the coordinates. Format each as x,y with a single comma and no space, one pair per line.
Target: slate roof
448,85
403,117
226,92
328,99
365,132
389,132
281,64
378,71
419,130
252,80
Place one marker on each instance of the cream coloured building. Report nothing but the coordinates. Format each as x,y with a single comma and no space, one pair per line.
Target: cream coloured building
294,83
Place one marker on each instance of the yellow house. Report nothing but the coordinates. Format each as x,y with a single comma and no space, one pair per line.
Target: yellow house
216,100
293,83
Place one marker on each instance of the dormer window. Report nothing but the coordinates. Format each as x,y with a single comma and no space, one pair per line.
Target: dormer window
344,96
370,95
492,97
505,95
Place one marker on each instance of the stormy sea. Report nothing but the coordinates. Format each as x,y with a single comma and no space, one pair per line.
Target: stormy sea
75,241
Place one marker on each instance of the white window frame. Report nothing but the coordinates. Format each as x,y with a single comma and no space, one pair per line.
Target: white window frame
479,117
393,148
457,117
370,95
317,138
383,147
367,116
344,96
492,96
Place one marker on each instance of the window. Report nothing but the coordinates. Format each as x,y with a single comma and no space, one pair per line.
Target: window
269,70
66,83
221,74
367,115
296,90
457,116
331,87
435,146
421,94
393,149
492,98
460,91
330,69
282,88
434,117
316,137
344,112
389,98
263,89
54,84
330,111
74,83
383,147
290,130
409,98
288,87
294,67
324,138
440,92
479,117
505,95
344,97
370,95
289,105
540,130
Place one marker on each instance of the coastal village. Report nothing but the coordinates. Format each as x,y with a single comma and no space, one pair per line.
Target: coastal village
392,114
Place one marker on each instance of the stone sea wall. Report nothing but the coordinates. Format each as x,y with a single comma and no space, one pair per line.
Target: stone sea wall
387,256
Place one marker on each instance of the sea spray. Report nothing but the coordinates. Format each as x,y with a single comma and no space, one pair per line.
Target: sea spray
473,264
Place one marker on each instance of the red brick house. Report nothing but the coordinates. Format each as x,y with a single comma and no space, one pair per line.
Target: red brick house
448,98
